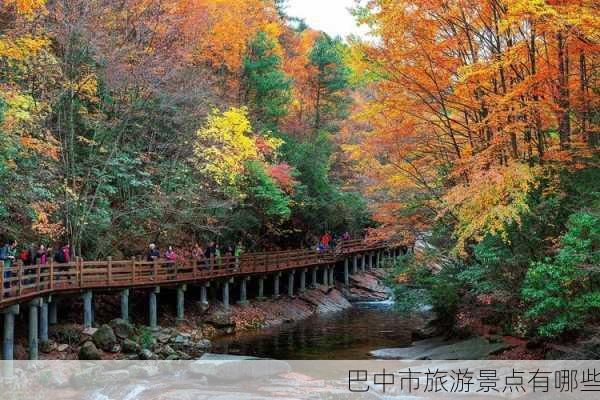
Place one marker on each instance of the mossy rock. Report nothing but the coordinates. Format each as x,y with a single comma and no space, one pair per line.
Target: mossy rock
104,338
89,351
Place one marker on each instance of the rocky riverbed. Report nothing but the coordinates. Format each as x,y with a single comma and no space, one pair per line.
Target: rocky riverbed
189,339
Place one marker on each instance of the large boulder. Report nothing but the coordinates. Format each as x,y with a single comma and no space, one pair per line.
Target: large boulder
122,328
89,351
129,346
220,319
104,338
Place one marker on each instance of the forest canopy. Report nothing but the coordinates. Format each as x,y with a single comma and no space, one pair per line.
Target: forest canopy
128,122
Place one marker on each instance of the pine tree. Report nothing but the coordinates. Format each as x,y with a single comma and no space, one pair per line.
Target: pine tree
266,88
330,82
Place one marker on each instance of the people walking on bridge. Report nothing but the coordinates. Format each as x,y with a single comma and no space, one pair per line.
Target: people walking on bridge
199,254
8,254
170,254
153,253
239,249
41,255
326,239
66,250
346,236
210,254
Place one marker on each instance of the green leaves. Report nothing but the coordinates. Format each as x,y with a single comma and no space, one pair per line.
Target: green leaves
563,293
267,89
330,82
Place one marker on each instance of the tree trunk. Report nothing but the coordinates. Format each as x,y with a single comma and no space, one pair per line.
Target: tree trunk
564,126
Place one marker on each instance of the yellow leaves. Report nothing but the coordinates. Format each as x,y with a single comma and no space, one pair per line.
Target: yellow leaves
41,222
226,143
492,201
20,110
22,48
27,7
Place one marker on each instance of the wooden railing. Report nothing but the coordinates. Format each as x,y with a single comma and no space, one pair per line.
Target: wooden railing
20,282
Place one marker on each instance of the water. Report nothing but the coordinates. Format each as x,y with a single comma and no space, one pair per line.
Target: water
345,335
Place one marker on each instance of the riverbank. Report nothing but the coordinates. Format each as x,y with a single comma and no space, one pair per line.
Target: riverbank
192,337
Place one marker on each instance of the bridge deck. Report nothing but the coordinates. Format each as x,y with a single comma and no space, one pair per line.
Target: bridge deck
20,283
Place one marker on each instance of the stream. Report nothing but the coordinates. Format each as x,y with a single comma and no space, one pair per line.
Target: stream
347,335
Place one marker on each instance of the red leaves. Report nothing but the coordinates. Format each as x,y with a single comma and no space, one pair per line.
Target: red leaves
283,176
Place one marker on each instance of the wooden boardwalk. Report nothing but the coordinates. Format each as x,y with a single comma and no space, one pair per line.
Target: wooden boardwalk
22,283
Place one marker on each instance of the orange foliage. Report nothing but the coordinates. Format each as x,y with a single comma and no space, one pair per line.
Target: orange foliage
462,91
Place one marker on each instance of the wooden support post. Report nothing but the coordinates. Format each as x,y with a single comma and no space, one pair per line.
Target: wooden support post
52,278
133,270
354,265
314,282
109,270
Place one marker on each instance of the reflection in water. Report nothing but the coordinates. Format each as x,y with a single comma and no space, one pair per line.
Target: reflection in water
346,335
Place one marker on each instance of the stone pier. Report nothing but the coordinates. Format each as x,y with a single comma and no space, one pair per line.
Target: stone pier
325,276
152,308
303,280
125,304
332,276
244,290
291,284
88,316
226,293
314,277
354,265
204,295
8,339
346,272
44,319
261,287
276,284
33,329
181,302
53,312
